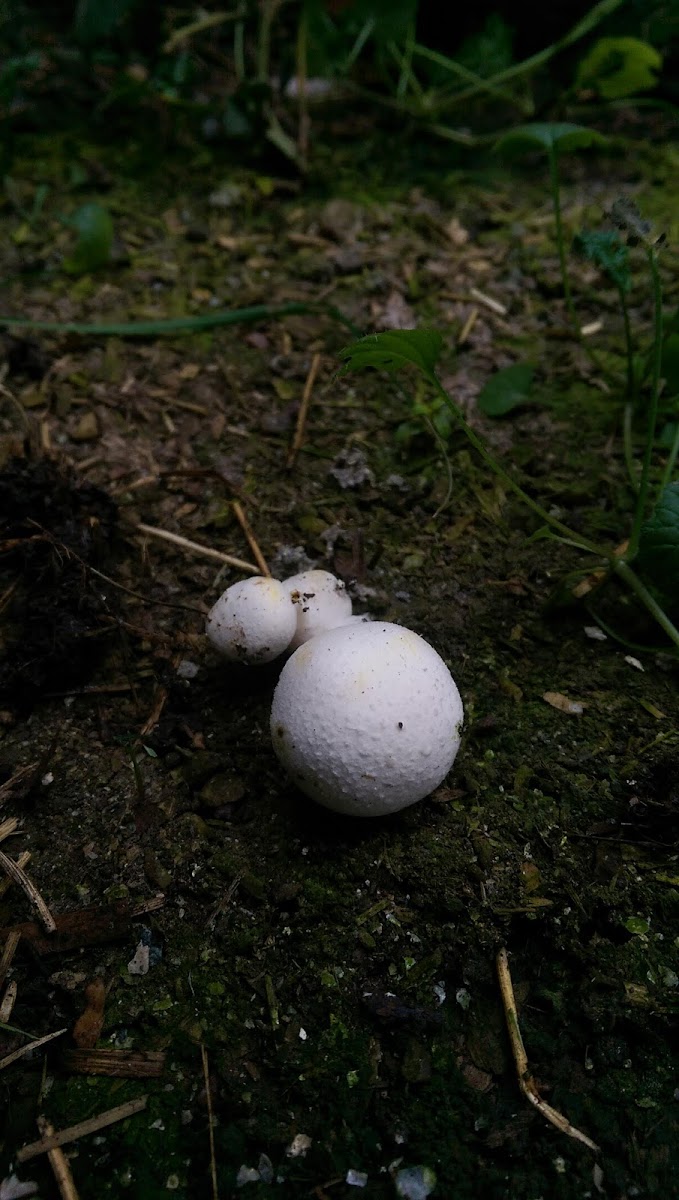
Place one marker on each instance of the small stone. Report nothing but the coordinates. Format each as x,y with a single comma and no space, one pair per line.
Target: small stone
340,219
222,790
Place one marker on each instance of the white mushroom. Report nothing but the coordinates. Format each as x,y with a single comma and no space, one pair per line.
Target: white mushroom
321,603
253,621
366,718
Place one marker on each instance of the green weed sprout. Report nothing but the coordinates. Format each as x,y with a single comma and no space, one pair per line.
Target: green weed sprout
552,139
655,541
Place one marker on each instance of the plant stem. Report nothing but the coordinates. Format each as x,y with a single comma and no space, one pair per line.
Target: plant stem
642,497
556,203
577,539
625,572
629,346
671,461
627,446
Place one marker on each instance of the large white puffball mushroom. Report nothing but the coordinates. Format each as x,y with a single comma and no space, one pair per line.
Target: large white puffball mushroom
253,621
321,602
366,718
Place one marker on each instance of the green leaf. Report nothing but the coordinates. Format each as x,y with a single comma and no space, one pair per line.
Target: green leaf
506,390
606,248
639,925
394,349
554,136
619,66
669,368
659,543
92,250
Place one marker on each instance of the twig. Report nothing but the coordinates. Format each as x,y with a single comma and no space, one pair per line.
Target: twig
16,1054
6,883
11,943
208,1099
18,875
250,537
64,1136
59,1164
8,786
526,1081
69,553
207,551
303,412
488,301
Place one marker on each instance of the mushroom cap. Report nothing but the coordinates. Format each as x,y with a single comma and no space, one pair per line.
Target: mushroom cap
366,718
321,602
253,621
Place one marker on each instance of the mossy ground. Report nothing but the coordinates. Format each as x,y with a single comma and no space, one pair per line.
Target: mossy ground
555,834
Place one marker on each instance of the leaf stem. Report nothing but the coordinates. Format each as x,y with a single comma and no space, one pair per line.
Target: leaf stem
625,572
556,203
642,497
671,461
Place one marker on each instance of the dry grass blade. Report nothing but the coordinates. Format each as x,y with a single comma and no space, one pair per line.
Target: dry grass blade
82,1129
303,412
18,875
59,1164
18,777
21,862
8,827
9,950
196,548
17,1054
208,1096
526,1082
250,538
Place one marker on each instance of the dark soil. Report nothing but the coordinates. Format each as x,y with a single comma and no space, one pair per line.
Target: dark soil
340,975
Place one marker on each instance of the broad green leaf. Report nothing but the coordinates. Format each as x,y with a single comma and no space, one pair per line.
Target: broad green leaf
659,543
619,66
92,250
394,349
554,136
506,390
670,363
606,248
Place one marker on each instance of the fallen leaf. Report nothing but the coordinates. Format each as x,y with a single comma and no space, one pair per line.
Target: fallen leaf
88,1027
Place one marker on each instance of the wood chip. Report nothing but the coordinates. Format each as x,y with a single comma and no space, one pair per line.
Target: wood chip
8,1002
125,1064
63,1136
488,302
18,875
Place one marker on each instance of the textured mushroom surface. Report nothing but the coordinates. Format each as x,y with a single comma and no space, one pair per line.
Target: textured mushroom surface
253,621
321,603
366,718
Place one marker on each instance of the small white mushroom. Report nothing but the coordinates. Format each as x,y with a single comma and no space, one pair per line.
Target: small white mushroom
253,621
321,602
366,718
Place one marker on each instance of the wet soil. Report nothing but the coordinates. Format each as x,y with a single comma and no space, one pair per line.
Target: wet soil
340,975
